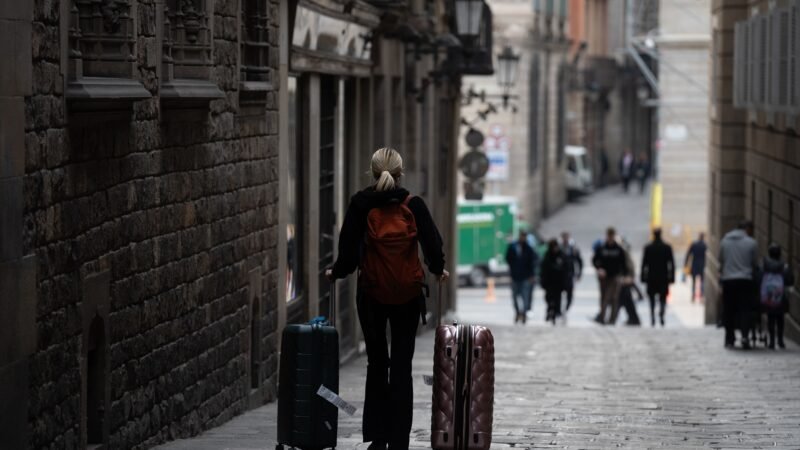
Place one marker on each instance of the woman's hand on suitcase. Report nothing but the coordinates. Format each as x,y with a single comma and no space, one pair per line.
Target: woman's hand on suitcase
444,276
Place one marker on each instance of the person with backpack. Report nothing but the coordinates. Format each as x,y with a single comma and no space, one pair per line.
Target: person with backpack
521,265
554,275
382,230
658,272
776,277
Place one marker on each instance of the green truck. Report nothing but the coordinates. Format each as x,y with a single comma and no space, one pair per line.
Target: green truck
485,229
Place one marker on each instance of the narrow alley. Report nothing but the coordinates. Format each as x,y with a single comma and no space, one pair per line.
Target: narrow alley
586,386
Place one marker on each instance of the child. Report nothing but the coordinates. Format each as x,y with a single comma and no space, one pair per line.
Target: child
776,277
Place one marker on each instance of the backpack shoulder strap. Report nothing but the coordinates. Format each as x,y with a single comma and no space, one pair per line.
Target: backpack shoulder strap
408,200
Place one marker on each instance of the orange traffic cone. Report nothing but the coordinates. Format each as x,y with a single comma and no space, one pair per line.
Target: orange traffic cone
490,295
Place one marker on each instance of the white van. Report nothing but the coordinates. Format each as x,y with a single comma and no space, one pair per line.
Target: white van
577,171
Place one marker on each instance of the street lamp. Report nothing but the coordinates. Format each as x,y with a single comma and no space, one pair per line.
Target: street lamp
507,63
469,14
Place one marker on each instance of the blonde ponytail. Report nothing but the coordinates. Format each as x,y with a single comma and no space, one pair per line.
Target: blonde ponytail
387,168
385,182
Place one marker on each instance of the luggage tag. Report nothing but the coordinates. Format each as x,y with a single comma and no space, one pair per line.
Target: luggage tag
335,400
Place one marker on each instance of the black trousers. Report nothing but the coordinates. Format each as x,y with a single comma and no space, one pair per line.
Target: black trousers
775,326
553,298
569,290
389,397
661,293
737,299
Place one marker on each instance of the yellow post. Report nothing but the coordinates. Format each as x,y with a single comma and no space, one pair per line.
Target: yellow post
656,198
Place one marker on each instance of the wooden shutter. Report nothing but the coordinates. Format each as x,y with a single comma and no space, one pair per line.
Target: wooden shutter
754,26
765,62
782,66
740,52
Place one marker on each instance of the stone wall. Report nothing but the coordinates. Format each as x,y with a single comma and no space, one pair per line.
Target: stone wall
754,162
157,222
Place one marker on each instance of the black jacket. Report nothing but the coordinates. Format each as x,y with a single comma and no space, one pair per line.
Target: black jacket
658,265
351,237
555,272
611,258
521,266
696,256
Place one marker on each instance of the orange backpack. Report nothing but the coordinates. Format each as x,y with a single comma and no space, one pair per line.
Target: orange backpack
391,272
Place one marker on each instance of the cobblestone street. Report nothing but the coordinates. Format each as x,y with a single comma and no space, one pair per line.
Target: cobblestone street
582,386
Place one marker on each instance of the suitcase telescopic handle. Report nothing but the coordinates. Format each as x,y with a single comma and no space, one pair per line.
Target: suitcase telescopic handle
441,304
332,312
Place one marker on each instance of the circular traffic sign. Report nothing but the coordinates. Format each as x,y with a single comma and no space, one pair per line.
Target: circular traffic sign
474,164
474,138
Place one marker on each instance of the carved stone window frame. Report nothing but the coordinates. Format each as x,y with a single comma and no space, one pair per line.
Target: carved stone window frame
99,58
187,45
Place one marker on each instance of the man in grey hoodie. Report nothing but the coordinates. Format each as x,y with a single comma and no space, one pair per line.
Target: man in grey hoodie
738,259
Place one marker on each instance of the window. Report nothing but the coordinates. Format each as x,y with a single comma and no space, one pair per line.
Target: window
186,56
794,57
102,51
533,117
102,39
187,40
780,62
255,41
294,204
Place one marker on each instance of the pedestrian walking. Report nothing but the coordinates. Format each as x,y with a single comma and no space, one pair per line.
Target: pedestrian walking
554,276
658,273
738,259
628,288
520,259
695,265
626,169
609,260
642,171
776,279
533,243
572,254
390,289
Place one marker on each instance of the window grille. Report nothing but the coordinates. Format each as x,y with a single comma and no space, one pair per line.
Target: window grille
255,41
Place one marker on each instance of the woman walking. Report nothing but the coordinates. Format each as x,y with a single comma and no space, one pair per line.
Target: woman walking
382,229
554,276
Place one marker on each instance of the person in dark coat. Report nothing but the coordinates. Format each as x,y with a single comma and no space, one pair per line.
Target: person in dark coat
658,272
642,171
696,264
520,259
628,288
574,265
773,264
609,261
554,274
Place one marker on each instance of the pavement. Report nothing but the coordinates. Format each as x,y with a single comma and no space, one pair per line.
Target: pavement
583,386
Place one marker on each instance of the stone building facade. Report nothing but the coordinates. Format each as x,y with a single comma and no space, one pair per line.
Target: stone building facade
683,46
173,175
139,218
754,123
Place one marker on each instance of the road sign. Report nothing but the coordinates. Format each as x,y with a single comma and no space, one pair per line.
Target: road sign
474,164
